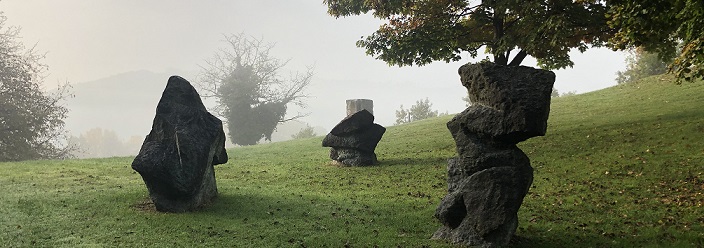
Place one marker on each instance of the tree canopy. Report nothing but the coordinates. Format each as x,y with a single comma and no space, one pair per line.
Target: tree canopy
659,26
419,32
31,121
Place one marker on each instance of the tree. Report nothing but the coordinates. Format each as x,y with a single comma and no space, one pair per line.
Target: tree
252,96
555,93
419,111
419,32
641,64
569,93
658,26
467,101
307,132
31,121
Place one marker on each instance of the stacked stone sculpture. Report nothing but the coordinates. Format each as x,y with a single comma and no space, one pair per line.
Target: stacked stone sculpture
352,142
489,178
177,157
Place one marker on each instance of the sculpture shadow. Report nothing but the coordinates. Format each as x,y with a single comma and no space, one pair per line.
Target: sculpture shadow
433,161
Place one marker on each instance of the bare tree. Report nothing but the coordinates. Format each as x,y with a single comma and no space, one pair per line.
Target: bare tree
252,95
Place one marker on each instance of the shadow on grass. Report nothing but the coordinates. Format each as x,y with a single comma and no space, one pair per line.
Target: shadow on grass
299,217
433,161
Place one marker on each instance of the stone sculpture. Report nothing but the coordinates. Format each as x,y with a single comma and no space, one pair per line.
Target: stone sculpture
177,157
489,178
352,142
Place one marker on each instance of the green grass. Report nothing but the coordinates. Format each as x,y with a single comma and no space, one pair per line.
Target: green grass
620,167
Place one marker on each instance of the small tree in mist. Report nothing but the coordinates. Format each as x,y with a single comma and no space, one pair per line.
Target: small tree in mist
555,93
307,132
419,111
31,121
467,101
641,64
252,96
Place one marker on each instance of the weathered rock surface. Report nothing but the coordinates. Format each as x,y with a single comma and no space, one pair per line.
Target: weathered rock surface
489,178
354,140
177,157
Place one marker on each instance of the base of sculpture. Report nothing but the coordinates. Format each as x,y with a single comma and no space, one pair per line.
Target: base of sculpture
353,157
203,196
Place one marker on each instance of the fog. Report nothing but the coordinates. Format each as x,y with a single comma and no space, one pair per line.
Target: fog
87,41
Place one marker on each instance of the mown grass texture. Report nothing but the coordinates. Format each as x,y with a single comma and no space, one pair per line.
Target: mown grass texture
619,167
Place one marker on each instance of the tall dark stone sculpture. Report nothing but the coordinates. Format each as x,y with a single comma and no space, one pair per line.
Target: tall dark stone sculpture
352,141
489,178
177,157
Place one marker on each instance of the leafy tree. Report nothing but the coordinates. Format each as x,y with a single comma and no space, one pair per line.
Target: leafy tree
641,64
554,93
658,26
419,111
251,94
419,32
31,121
307,132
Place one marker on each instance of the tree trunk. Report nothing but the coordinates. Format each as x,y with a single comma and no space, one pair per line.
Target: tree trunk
516,61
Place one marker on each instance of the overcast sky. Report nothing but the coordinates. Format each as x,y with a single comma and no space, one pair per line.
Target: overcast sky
91,39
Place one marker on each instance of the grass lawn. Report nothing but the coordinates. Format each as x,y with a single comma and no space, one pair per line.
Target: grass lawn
619,167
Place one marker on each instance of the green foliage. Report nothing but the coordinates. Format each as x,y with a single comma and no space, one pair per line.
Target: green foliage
605,176
641,64
31,121
251,95
419,111
419,32
658,26
307,132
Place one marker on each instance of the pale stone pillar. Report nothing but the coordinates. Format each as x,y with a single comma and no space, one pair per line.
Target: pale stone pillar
356,105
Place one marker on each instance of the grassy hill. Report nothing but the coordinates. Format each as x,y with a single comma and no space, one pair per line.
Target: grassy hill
620,167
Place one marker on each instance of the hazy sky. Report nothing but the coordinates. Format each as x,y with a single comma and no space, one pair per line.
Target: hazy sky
91,39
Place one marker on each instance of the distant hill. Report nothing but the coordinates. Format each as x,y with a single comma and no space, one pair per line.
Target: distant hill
125,104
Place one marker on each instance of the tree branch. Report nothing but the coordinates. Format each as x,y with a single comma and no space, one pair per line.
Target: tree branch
518,59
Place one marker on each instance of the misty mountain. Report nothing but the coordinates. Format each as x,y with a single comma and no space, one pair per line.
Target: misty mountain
126,103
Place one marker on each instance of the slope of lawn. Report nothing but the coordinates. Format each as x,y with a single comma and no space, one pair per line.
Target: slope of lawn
620,167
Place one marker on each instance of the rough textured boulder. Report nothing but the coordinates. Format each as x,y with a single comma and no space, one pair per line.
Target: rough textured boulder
354,140
177,157
489,178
